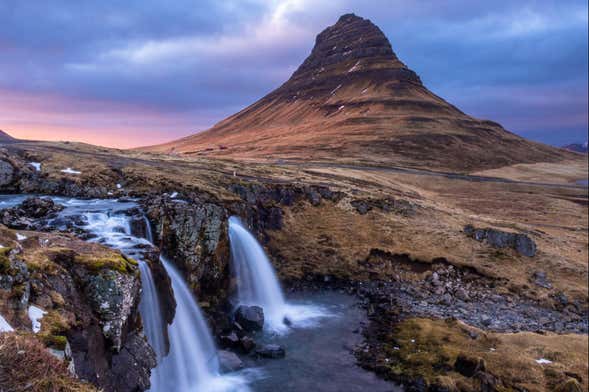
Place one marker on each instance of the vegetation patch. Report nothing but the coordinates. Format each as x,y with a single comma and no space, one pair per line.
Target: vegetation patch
114,261
25,365
451,355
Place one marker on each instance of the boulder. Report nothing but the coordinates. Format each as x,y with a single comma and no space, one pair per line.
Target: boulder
6,173
230,340
271,351
229,361
251,318
247,344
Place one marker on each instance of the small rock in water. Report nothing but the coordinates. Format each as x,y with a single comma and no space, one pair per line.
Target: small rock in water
231,340
271,351
251,318
229,362
287,321
247,344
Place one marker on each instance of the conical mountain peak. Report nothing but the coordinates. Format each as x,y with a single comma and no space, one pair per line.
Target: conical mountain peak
353,100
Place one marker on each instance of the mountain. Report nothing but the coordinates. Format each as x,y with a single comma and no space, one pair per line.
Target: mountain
577,147
353,100
4,137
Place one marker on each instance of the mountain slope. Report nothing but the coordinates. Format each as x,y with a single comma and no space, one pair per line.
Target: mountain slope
577,147
353,100
4,137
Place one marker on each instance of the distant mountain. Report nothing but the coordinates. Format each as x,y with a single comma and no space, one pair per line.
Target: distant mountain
353,100
577,147
4,137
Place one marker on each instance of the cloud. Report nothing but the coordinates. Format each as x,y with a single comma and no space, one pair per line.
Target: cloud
199,59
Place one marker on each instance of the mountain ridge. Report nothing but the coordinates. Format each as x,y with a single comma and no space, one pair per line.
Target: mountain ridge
353,100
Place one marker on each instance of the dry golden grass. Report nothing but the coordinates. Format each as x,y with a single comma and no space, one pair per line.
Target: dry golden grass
25,365
429,348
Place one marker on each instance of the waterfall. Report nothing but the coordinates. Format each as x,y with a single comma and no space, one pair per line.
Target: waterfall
191,364
257,283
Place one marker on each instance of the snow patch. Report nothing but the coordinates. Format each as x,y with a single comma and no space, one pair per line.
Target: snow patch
340,108
20,237
36,165
35,315
543,361
69,170
174,195
363,91
4,326
355,67
119,186
335,89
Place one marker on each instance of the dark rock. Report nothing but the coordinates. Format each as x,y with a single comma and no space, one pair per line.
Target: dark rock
247,344
461,294
525,245
271,351
488,382
6,173
314,197
29,214
229,361
361,206
468,366
521,243
251,318
131,367
230,340
541,279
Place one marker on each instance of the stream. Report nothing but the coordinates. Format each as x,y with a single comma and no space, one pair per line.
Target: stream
321,331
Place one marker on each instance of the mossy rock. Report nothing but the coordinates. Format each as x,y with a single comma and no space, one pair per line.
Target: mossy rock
53,330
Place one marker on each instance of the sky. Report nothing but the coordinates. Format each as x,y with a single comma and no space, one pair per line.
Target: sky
140,72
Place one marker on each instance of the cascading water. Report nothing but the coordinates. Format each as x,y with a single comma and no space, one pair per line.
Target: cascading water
191,363
257,283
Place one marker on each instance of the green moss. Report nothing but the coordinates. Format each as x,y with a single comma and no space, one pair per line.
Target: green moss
57,342
4,260
115,262
53,330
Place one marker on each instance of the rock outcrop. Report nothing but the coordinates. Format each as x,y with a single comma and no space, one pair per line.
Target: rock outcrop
194,236
522,243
